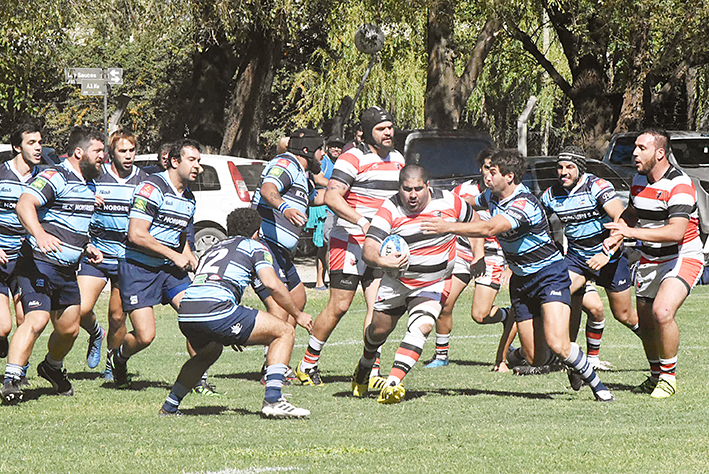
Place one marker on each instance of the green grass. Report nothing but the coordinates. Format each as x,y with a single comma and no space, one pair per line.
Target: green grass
461,418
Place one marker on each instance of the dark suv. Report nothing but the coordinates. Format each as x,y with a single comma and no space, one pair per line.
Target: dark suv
450,157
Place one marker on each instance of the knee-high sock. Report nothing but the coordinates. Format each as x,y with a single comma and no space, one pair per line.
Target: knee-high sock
578,360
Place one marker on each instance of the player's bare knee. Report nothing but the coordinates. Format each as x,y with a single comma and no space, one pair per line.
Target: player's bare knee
663,314
288,332
478,316
145,338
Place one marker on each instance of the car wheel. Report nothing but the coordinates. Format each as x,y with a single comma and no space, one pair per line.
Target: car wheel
205,238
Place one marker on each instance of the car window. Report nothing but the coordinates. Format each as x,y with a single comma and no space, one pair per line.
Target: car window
546,174
691,153
622,153
208,180
603,171
446,158
251,174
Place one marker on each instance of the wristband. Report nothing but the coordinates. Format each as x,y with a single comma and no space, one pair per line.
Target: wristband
362,222
283,206
607,253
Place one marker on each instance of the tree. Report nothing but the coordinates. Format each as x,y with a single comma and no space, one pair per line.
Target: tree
625,58
447,93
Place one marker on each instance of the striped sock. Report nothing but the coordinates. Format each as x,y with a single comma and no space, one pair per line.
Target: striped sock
312,353
172,403
12,372
577,360
635,328
204,377
120,356
95,332
668,368
654,368
406,356
442,345
274,381
377,367
594,333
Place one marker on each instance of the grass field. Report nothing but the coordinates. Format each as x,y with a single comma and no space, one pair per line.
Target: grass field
460,418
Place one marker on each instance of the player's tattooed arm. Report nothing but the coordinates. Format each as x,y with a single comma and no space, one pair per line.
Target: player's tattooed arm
335,200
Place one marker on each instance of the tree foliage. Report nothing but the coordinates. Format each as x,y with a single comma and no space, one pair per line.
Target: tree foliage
237,74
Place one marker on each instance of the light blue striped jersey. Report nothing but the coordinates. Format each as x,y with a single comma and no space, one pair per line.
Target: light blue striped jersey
294,185
109,225
528,246
223,274
66,206
11,186
157,201
581,211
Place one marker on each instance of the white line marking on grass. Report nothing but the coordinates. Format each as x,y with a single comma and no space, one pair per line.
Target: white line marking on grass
251,470
359,342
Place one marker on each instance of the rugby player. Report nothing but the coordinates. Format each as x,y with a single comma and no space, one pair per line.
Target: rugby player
211,315
584,203
483,309
157,257
109,225
663,216
421,288
15,174
363,178
282,201
56,210
539,286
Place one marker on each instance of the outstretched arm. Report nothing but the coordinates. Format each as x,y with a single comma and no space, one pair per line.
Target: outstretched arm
495,226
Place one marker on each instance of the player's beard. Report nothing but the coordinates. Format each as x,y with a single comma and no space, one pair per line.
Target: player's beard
88,169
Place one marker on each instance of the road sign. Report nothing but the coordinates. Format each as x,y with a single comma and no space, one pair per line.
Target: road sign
114,76
93,87
75,75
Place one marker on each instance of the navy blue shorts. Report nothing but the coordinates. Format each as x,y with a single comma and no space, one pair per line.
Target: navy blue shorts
615,276
143,287
234,328
529,293
285,269
46,287
106,270
8,280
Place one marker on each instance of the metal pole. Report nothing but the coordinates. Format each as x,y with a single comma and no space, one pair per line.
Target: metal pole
522,125
361,84
105,113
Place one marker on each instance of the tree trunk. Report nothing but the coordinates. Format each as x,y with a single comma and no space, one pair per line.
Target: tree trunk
632,112
447,94
249,102
691,85
439,106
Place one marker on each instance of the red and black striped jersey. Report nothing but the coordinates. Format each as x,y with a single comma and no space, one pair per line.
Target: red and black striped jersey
673,195
370,178
431,256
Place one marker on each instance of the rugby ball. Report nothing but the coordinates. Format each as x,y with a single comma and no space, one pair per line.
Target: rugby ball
394,244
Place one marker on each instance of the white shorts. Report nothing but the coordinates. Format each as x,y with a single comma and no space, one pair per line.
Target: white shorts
650,275
395,297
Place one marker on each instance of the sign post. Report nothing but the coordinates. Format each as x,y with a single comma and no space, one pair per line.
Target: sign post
94,82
